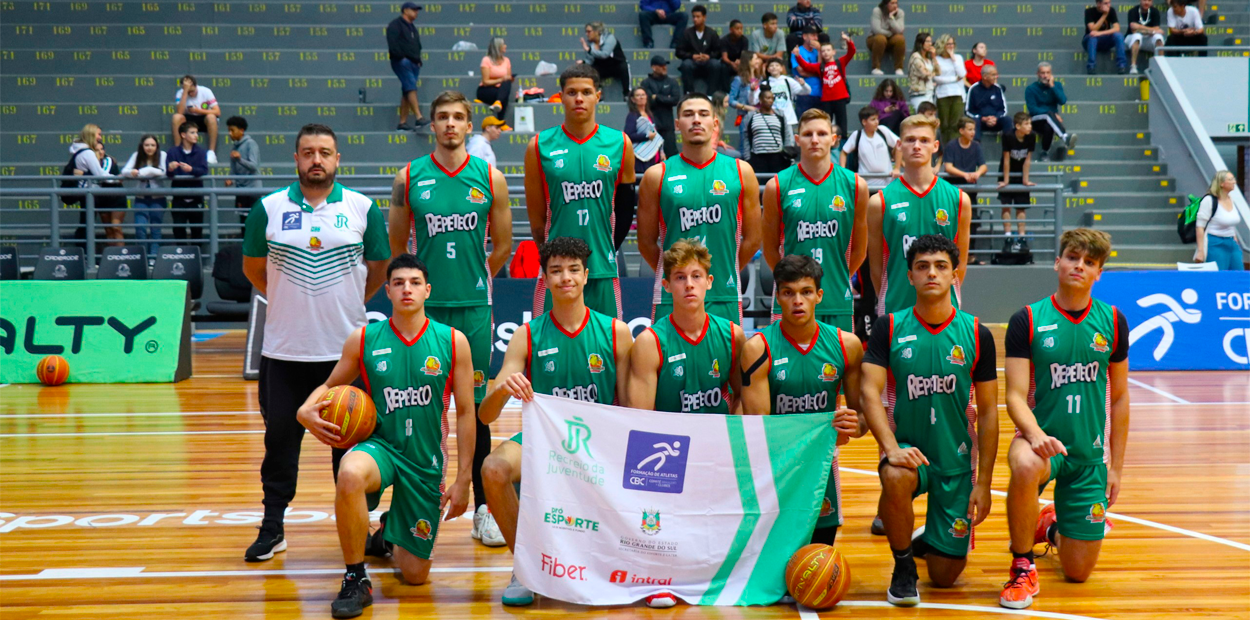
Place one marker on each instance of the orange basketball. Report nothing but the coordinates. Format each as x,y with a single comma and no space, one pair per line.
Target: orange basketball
352,411
818,576
52,370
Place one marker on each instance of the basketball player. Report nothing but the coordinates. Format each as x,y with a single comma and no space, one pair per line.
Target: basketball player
930,358
442,206
705,196
817,209
571,351
1067,392
582,168
316,250
799,364
412,366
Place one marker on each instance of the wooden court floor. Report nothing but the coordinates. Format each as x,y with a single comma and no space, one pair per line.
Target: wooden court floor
137,501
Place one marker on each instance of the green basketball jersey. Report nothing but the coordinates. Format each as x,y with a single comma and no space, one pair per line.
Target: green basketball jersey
817,216
805,381
580,365
580,179
907,216
704,203
694,374
930,388
450,220
411,386
1070,394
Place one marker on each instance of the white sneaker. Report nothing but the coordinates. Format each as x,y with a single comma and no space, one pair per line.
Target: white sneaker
485,529
663,600
1132,70
898,72
878,72
212,157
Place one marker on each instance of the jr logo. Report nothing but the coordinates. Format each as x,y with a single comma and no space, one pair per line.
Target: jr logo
340,221
579,437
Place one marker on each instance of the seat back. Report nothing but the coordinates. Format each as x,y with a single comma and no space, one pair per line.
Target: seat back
127,262
228,276
61,264
8,263
180,262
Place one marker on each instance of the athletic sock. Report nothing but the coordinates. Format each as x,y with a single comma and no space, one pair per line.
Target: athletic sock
357,569
1027,555
904,555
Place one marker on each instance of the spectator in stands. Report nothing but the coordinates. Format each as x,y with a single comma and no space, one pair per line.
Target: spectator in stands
720,108
186,164
834,95
987,104
604,53
83,151
798,18
965,165
699,51
976,61
873,150
495,89
890,104
642,132
1185,26
809,51
930,110
949,86
244,161
479,144
887,35
147,165
1043,99
663,93
1217,225
921,70
1018,148
1145,26
111,209
767,41
198,105
1102,32
785,91
403,44
660,12
731,49
745,88
766,134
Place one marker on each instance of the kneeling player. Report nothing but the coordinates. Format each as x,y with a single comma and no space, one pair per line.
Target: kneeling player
932,355
1062,353
411,367
799,364
570,351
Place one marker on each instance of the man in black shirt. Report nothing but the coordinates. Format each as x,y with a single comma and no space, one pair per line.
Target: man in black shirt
699,51
1017,158
1102,32
663,93
404,47
1145,26
731,48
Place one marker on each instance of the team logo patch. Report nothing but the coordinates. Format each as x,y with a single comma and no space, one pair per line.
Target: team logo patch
421,529
1097,514
781,374
595,361
715,371
957,356
381,366
907,353
838,204
1100,343
602,164
829,372
559,163
479,378
718,188
425,195
959,528
826,508
432,367
1049,342
549,367
942,217
679,370
314,243
650,522
477,196
902,216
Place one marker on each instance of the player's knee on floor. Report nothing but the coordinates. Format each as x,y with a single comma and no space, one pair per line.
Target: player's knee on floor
944,569
414,570
1078,558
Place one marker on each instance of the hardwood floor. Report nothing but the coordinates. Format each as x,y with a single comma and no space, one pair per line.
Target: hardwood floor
128,501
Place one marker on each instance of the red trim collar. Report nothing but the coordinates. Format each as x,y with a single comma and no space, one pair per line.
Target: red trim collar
920,194
814,181
707,321
583,140
810,346
407,342
467,157
699,166
939,328
1075,320
577,331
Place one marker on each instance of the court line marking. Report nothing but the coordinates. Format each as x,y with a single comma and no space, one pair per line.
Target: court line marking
167,433
1163,393
809,614
139,572
1123,517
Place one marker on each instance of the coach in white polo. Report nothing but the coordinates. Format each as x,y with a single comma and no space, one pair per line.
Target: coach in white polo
317,251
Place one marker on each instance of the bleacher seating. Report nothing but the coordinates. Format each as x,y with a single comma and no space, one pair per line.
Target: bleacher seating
128,262
61,264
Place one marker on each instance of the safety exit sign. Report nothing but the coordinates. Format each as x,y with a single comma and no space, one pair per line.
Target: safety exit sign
1236,128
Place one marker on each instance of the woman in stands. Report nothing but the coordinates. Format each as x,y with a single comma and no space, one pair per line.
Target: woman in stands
950,87
147,164
112,209
744,90
496,87
640,128
1217,225
921,70
975,63
890,104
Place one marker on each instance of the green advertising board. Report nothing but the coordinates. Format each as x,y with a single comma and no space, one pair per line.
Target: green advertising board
110,331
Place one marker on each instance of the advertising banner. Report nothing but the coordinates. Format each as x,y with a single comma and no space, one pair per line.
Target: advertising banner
110,331
1182,320
619,504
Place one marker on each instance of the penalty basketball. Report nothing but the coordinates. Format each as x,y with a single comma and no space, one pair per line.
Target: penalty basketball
352,411
52,370
818,576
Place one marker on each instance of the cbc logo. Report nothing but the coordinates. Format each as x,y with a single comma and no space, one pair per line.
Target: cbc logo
638,480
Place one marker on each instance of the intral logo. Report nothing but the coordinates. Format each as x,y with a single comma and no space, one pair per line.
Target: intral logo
656,462
623,577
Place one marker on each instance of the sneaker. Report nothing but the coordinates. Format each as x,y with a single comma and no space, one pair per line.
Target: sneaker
505,127
1044,156
1024,245
485,529
354,597
1132,70
899,72
1090,71
878,72
878,526
375,544
663,600
786,599
903,592
422,122
1007,245
1122,70
496,107
1045,519
1070,143
405,127
1019,591
517,595
212,157
268,542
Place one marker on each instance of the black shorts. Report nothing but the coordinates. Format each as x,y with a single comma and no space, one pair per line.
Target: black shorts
199,120
1021,200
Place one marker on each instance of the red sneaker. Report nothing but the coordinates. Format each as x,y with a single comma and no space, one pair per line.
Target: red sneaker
662,600
1019,591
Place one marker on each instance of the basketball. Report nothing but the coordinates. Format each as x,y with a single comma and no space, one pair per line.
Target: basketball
52,370
352,411
818,576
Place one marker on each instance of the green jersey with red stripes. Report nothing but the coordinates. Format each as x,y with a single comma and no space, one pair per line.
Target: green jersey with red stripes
694,374
580,178
908,214
704,202
817,216
580,364
450,220
806,378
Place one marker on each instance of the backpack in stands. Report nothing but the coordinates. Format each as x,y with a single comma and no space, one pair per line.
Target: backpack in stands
1017,253
68,170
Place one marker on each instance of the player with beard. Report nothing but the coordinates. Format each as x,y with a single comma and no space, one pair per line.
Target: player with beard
700,195
443,206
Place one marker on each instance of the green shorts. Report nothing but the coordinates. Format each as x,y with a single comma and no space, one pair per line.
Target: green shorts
729,310
603,295
831,506
414,514
1080,498
478,326
516,438
946,524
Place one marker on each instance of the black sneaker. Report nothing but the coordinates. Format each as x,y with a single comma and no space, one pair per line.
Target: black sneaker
1024,245
268,542
405,127
1007,244
903,592
422,122
354,597
375,545
878,527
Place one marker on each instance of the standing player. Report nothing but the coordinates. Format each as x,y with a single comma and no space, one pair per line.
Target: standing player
571,351
411,366
817,209
582,168
1067,392
442,206
705,196
929,358
316,250
799,364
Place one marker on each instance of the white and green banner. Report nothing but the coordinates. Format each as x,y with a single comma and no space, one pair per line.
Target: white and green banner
618,504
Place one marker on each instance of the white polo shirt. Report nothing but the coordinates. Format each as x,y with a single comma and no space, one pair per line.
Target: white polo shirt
316,268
